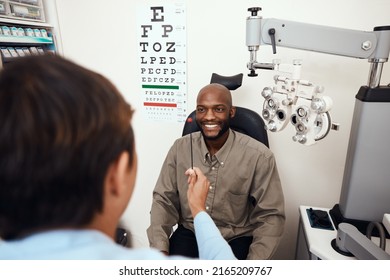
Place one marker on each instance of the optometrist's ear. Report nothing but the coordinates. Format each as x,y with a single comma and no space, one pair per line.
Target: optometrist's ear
115,180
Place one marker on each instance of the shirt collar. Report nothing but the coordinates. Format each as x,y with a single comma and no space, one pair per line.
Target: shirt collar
222,155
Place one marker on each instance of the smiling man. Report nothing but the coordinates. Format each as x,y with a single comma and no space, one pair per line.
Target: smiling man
245,197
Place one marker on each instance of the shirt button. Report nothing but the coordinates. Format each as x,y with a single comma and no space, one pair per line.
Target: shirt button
222,163
211,187
207,208
213,168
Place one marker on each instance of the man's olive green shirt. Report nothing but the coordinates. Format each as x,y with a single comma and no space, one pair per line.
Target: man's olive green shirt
245,196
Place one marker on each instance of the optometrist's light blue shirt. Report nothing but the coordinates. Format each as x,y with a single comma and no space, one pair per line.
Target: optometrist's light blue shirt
93,245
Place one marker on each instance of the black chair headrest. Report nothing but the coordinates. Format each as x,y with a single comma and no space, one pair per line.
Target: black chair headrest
231,82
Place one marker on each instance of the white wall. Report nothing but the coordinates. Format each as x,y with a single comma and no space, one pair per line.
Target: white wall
102,35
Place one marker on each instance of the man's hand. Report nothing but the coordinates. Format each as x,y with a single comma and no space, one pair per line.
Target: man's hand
198,187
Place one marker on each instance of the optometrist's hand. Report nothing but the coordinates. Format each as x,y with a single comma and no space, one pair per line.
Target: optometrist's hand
198,187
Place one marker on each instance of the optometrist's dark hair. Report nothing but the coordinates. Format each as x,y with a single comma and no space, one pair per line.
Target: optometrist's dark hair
61,125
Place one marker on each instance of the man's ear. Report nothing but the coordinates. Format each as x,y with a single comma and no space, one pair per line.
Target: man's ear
115,181
232,111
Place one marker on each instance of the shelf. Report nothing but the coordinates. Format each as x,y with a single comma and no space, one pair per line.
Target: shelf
25,40
25,11
22,21
20,35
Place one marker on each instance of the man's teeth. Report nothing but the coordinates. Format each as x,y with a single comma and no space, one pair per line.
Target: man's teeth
210,125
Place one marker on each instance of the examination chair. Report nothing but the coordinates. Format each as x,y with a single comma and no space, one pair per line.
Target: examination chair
245,121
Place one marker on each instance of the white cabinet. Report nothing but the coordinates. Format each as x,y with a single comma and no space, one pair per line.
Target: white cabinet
23,9
24,29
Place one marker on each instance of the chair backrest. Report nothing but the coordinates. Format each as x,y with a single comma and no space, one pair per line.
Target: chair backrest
245,121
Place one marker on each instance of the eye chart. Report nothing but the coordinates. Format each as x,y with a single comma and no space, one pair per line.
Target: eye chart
162,61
